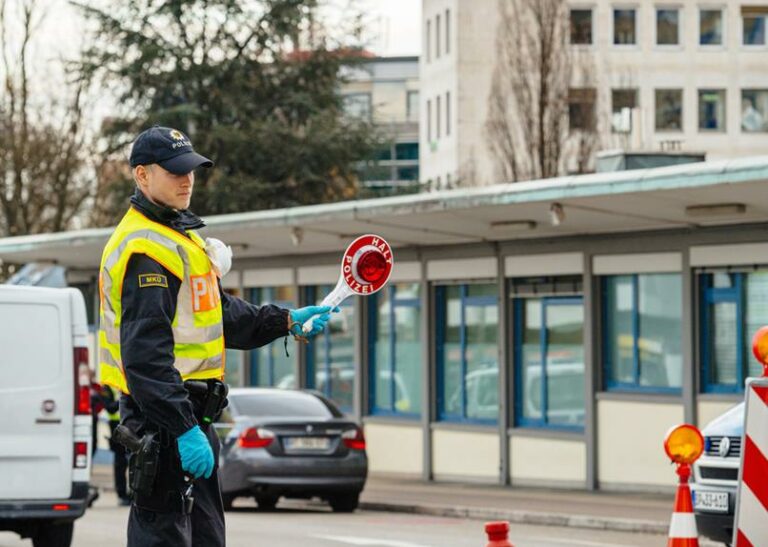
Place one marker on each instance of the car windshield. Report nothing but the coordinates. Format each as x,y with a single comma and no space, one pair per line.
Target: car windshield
287,404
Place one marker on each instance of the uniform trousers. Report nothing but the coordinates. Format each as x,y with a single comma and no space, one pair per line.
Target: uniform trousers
204,527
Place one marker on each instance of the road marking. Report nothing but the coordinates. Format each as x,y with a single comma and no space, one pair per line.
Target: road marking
582,542
351,540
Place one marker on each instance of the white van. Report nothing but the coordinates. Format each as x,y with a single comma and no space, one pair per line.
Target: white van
45,413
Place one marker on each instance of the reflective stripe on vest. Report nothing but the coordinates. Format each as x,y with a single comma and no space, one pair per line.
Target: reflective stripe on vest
198,329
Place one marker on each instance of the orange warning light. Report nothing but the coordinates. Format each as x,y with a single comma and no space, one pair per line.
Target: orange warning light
684,444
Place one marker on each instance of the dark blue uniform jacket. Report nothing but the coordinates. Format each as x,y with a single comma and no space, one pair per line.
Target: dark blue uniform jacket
146,338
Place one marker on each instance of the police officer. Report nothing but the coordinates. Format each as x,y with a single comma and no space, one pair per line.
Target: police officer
165,323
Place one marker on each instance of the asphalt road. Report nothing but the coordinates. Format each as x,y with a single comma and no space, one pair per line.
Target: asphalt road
298,524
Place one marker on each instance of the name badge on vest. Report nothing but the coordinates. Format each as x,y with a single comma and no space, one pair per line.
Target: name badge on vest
153,280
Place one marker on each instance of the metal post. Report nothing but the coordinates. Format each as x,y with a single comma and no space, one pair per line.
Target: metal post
505,377
591,340
427,376
688,323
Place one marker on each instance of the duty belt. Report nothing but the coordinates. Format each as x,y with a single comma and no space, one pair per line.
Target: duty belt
209,398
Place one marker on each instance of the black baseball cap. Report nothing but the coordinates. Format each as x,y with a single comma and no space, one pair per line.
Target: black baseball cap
169,148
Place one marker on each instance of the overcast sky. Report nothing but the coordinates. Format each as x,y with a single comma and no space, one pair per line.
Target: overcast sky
399,26
395,23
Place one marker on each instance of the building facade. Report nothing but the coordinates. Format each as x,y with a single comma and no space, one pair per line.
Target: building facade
385,91
688,75
511,346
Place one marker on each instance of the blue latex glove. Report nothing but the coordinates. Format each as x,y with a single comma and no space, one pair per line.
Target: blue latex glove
195,452
321,316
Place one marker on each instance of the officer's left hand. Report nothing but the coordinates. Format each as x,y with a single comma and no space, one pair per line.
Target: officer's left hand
321,315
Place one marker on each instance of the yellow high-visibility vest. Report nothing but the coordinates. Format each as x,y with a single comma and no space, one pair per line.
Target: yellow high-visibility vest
198,329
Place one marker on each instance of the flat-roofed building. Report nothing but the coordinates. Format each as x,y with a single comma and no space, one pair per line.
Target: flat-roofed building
542,333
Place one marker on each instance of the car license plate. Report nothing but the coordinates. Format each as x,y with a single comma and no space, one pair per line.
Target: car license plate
307,443
716,502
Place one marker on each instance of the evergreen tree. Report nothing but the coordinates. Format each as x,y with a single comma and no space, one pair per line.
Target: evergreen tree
255,83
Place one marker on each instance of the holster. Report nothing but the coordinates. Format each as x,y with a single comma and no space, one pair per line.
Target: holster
209,399
168,492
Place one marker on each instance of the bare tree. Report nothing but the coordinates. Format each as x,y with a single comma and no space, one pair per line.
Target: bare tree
44,176
528,126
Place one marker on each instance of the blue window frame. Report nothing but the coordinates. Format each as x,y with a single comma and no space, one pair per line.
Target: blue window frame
394,342
642,317
467,353
549,362
331,355
733,308
268,365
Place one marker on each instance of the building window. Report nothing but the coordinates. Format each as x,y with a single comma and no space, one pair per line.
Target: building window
357,105
624,31
712,109
581,109
437,116
429,40
412,106
753,25
549,356
622,103
732,311
754,110
669,109
331,356
269,366
667,26
395,350
437,37
410,173
447,31
407,151
467,352
642,327
581,26
711,27
447,113
429,121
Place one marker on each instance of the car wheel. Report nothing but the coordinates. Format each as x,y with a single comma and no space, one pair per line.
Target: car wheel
54,535
266,503
344,503
227,500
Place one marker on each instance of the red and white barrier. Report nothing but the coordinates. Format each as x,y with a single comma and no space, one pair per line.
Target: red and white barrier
751,524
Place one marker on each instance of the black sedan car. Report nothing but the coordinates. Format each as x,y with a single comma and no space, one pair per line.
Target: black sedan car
289,443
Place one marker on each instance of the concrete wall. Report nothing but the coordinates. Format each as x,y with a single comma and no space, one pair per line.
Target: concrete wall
465,455
689,66
630,437
394,449
541,461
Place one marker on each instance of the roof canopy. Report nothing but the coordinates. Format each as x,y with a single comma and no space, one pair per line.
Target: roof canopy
651,199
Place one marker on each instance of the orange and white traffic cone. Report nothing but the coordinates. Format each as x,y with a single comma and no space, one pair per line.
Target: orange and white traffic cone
682,528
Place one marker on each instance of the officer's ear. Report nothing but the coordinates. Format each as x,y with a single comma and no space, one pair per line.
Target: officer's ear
141,176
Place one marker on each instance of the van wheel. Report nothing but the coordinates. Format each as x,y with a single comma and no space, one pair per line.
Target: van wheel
54,535
344,503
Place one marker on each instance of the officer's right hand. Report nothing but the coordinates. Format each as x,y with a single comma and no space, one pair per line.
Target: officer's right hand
321,315
195,452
